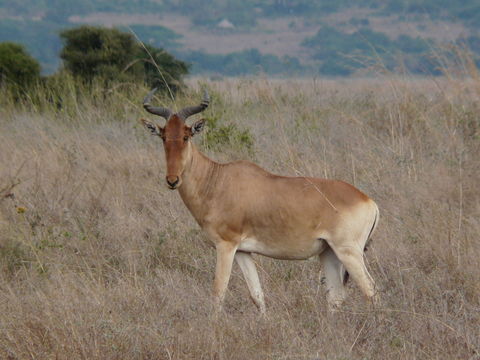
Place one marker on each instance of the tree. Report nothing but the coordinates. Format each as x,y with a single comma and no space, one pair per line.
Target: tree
17,68
112,55
160,68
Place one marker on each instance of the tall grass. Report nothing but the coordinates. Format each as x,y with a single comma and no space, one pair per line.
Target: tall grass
98,260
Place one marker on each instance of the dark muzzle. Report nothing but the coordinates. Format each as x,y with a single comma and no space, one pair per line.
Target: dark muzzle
172,181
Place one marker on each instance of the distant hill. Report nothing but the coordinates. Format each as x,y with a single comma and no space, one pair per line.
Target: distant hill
275,37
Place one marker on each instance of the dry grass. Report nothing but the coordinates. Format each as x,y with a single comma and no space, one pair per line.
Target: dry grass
98,260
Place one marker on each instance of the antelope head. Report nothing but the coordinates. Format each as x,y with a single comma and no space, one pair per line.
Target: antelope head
176,135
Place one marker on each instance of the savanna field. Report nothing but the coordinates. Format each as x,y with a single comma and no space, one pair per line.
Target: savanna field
99,260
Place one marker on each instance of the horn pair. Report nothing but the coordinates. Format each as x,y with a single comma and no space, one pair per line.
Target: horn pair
166,113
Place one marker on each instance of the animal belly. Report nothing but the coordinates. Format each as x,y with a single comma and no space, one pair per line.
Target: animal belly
287,250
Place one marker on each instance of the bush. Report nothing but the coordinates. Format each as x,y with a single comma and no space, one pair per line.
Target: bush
170,70
112,55
17,68
39,37
218,136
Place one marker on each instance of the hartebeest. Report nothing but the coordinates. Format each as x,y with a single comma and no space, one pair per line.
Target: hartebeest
245,209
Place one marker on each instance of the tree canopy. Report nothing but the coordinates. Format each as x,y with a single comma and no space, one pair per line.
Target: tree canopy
17,68
112,55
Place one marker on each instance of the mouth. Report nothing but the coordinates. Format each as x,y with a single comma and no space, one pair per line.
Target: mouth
172,187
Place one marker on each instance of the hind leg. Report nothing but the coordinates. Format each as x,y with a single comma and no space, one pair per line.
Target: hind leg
334,272
249,270
352,258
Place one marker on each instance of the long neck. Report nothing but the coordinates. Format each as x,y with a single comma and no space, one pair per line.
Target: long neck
199,181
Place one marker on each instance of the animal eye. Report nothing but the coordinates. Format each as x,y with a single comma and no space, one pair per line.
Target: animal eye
185,138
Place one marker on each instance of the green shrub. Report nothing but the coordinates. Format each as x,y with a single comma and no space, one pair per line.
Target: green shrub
219,136
158,68
115,56
17,68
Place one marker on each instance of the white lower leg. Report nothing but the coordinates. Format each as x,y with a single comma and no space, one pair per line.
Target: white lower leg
333,271
249,270
352,259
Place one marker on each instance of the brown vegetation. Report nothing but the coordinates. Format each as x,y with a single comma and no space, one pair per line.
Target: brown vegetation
99,260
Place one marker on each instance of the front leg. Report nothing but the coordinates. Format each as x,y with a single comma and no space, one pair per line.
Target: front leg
225,254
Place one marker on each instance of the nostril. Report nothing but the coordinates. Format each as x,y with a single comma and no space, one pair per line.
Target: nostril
172,181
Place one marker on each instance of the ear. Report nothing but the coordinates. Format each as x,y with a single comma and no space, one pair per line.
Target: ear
154,128
198,126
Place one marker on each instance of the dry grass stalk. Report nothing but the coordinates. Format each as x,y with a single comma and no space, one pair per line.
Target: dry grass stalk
106,263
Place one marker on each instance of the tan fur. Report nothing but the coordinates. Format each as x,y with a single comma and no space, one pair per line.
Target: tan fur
246,209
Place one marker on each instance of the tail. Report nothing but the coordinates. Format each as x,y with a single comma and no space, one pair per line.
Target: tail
375,222
346,275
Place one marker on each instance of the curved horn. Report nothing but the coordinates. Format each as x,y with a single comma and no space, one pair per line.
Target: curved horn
191,110
161,111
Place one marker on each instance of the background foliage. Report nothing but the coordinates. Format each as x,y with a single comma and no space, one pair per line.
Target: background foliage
18,69
112,55
36,24
342,54
243,63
